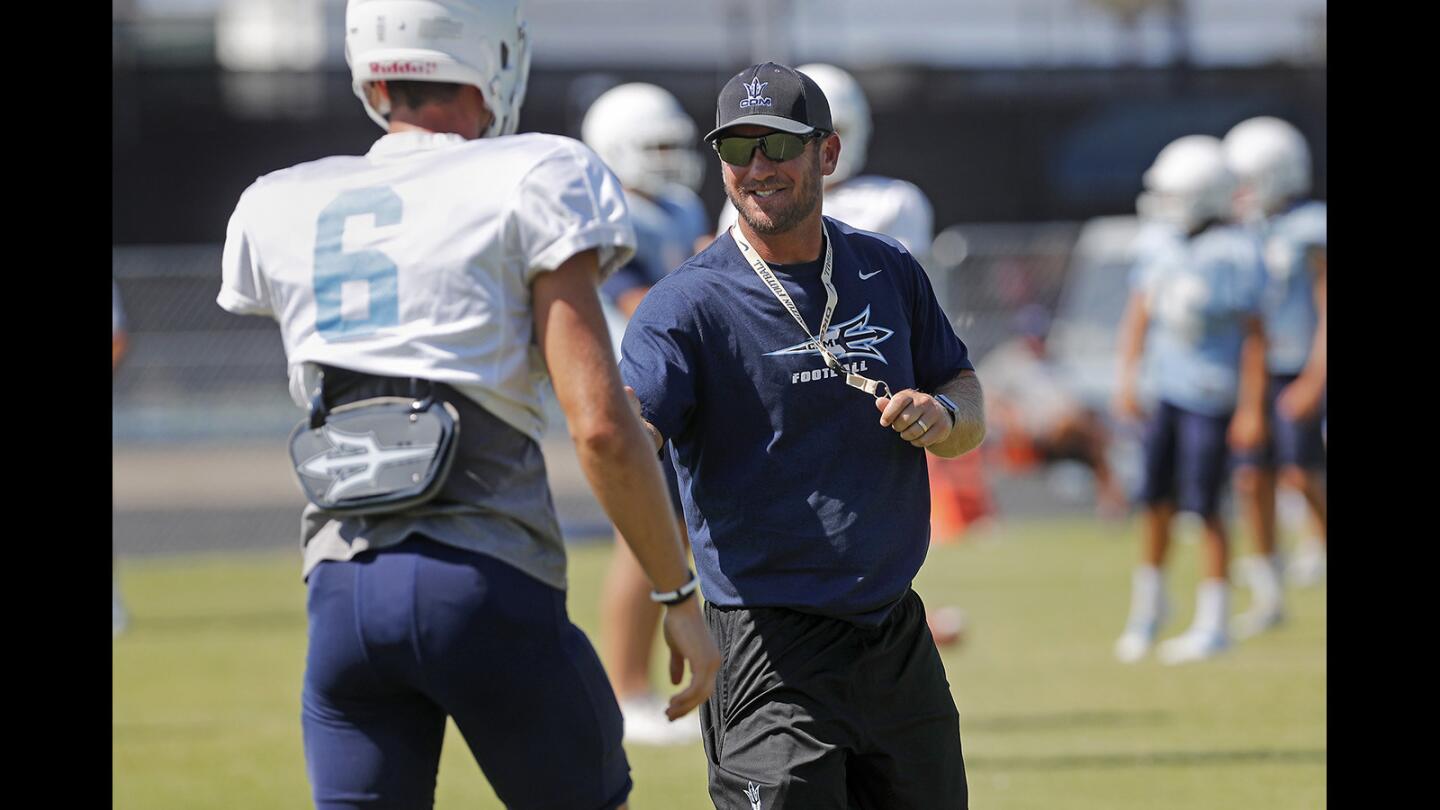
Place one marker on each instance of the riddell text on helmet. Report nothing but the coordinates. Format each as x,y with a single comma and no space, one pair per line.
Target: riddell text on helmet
399,68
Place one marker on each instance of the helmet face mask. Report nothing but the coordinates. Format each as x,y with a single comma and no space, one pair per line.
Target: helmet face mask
1272,161
482,43
1188,185
850,112
645,137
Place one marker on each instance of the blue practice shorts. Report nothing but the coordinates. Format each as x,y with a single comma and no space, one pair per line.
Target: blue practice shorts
1186,454
403,637
1289,443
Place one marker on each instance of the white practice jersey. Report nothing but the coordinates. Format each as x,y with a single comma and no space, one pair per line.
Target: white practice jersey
884,205
416,259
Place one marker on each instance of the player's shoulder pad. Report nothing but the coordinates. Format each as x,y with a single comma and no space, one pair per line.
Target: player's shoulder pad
532,148
907,192
712,256
1229,234
262,186
863,241
1308,220
676,196
1230,244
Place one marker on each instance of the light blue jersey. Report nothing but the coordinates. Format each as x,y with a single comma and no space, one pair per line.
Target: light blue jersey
1289,299
1199,292
666,227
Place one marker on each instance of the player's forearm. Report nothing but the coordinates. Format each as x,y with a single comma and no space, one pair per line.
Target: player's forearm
613,450
1251,394
969,429
1315,366
628,483
1131,340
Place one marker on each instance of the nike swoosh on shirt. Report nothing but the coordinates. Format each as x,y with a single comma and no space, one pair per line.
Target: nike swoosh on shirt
864,276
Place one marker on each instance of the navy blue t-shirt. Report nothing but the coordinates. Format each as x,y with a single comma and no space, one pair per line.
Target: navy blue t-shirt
795,496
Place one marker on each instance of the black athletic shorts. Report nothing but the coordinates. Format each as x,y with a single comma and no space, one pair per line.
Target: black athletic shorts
811,712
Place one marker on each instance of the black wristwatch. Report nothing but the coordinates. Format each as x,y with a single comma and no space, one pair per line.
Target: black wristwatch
949,405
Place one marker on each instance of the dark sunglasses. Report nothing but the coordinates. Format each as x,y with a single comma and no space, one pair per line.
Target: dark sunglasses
777,146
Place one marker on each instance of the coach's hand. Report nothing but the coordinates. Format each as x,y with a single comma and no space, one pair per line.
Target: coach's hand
689,640
916,416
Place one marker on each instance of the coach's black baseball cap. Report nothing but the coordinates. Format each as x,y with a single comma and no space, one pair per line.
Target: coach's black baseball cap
775,96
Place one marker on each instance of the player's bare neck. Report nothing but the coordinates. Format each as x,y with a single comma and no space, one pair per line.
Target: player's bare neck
798,245
439,118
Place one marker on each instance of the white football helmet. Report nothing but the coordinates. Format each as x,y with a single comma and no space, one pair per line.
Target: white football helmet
850,112
1188,185
1270,157
645,137
476,42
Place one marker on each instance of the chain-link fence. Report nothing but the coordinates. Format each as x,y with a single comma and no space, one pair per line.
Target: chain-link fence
193,371
985,274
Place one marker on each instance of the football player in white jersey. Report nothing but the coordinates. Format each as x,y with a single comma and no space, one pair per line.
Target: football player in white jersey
1272,161
437,280
644,135
1195,311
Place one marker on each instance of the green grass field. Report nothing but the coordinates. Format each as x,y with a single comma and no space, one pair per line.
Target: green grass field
206,687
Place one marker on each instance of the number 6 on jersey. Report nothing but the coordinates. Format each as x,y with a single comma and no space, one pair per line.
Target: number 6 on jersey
355,293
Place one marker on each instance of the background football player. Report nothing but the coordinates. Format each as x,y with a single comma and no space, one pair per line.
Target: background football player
1272,162
1195,306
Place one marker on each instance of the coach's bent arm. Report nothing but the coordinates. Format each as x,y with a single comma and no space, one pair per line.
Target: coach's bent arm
969,430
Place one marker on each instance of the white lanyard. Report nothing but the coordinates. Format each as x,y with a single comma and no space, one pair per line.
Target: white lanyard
767,275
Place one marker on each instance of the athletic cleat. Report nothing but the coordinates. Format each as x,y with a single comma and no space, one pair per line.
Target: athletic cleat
1258,620
1133,645
1192,646
1267,603
1148,614
1138,638
1307,566
646,723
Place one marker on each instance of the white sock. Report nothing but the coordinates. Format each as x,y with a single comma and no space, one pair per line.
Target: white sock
1264,576
1147,595
1212,607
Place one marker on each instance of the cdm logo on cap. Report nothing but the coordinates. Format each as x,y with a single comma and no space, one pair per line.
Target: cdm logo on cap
774,96
753,90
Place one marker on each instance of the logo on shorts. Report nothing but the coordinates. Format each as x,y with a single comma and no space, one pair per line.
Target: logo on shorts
753,794
753,89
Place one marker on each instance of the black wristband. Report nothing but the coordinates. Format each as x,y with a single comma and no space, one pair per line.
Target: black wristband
950,407
675,597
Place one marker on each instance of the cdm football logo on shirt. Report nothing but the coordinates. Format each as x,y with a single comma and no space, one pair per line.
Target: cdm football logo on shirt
855,339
